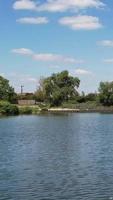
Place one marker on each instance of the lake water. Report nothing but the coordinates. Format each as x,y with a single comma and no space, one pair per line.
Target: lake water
53,157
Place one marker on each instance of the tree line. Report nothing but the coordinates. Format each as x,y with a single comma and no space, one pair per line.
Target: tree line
57,89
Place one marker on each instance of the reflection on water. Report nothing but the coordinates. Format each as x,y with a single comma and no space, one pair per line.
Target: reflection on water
53,157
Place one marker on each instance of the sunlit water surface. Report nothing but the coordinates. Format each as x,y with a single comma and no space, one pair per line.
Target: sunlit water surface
53,157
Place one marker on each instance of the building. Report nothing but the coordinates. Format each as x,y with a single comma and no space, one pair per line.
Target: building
26,102
26,99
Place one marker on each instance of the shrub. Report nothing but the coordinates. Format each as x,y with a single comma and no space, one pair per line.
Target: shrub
8,109
25,110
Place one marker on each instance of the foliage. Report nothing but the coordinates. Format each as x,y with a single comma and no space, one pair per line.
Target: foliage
6,91
91,97
60,87
8,109
86,98
106,93
90,105
39,95
25,110
55,90
81,98
35,110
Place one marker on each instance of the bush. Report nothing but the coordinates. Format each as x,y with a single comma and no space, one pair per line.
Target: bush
35,110
8,109
25,110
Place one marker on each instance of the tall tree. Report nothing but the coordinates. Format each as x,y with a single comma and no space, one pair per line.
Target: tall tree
106,93
6,91
60,87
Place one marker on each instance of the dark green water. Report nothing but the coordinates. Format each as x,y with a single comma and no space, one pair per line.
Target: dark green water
53,157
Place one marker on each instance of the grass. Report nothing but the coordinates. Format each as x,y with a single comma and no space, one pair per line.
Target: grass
37,109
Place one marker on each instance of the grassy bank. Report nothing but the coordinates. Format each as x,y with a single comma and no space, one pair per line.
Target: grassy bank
36,109
8,109
83,107
66,107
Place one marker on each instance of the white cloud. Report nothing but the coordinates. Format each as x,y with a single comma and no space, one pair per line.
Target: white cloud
22,77
22,51
106,43
57,5
64,5
82,72
46,57
55,58
81,22
25,5
33,20
108,61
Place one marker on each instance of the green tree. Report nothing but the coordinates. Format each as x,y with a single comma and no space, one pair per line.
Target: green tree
106,93
40,94
91,97
6,91
60,87
81,98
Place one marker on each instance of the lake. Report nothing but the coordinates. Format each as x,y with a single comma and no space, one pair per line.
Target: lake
56,156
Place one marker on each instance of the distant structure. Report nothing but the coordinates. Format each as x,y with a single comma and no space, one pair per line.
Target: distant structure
22,89
25,99
26,102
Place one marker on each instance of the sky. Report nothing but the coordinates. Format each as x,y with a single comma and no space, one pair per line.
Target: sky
41,37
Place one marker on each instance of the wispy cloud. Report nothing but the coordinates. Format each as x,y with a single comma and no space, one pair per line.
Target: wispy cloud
57,5
33,20
55,58
23,51
81,22
82,72
105,43
108,61
22,77
46,57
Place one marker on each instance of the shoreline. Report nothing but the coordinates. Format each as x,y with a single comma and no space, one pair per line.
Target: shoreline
37,110
61,110
34,110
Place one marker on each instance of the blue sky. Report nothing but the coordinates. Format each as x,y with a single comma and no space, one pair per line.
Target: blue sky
40,37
